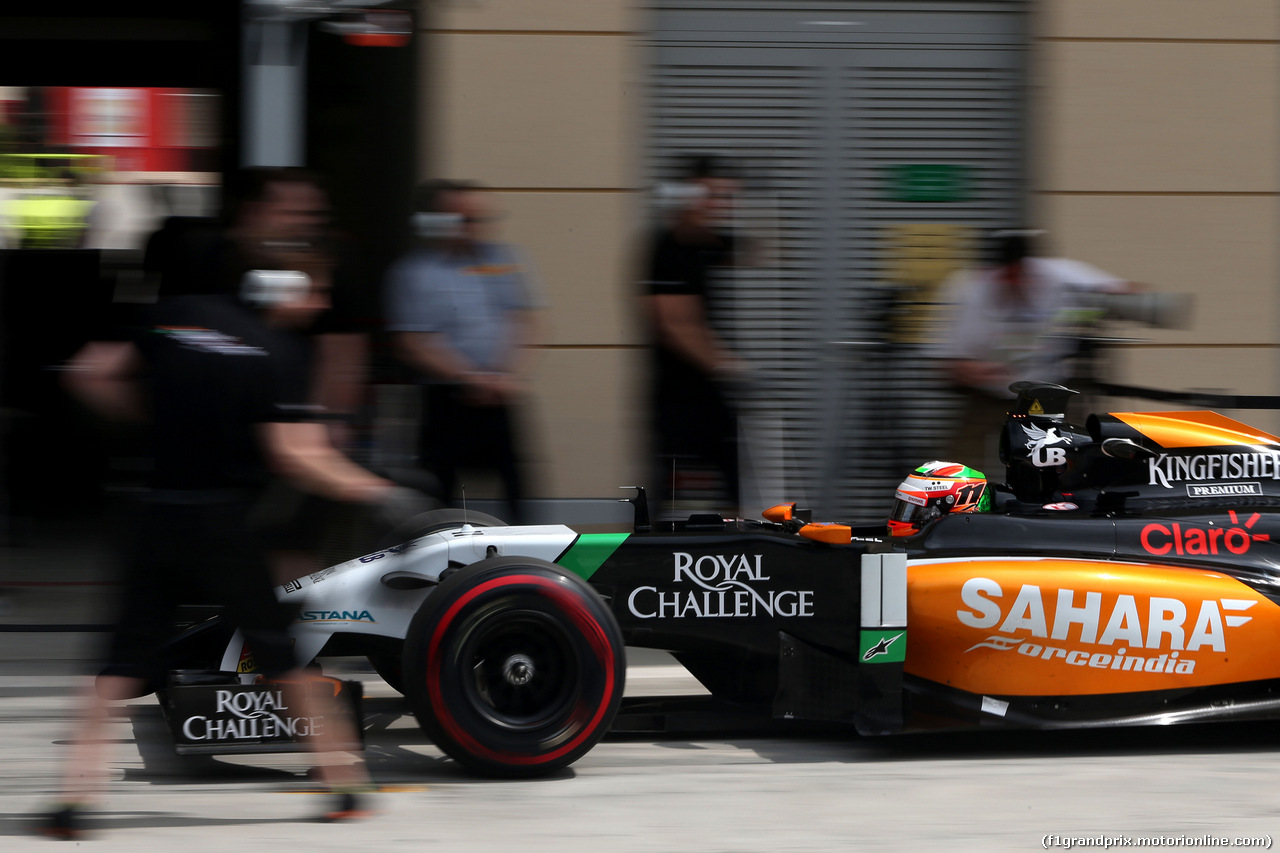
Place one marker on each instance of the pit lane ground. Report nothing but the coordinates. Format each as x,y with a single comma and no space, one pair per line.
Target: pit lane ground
681,791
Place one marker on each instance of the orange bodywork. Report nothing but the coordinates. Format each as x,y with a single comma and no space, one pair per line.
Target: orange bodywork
1059,627
1194,429
831,533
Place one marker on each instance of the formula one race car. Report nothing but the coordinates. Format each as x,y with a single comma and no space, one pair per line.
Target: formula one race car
1127,574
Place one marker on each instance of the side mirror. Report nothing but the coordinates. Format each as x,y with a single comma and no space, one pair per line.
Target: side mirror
780,514
1125,448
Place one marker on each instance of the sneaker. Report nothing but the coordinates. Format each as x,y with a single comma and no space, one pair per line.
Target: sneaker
64,824
347,805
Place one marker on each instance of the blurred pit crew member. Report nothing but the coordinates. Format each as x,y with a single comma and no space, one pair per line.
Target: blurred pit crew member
292,230
462,313
224,380
283,225
691,415
1009,321
933,490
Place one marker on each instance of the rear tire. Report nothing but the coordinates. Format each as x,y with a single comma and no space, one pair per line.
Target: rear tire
514,667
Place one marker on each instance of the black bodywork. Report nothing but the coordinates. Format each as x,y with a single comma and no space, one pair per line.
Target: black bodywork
1131,502
810,664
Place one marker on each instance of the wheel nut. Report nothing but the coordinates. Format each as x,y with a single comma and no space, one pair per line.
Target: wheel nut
518,670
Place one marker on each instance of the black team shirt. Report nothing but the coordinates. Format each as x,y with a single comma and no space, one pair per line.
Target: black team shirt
683,267
216,373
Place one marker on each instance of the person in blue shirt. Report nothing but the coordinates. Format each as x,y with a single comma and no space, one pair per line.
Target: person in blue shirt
460,310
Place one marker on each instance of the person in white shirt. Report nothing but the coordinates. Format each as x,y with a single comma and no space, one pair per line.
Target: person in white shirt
1007,322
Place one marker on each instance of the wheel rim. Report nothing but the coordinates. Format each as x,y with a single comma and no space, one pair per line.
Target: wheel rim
519,670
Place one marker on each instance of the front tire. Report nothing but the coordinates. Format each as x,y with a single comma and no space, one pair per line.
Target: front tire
514,667
433,521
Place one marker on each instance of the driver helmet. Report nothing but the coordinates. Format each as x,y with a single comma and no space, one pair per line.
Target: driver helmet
933,490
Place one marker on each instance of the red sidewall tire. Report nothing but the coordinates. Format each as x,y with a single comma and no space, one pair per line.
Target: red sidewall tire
514,667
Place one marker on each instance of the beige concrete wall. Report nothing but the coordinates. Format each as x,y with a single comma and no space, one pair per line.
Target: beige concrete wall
584,416
1156,155
1155,150
580,246
539,100
1223,369
1139,20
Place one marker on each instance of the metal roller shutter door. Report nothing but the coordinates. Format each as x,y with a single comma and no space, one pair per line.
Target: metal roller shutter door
837,412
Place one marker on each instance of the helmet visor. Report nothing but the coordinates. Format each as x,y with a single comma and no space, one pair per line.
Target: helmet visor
907,512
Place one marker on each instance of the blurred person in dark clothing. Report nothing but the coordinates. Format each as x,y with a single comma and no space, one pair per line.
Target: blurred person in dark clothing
290,228
691,366
225,380
272,227
461,311
284,225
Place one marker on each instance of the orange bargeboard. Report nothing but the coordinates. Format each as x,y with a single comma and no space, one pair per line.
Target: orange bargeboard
1059,627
